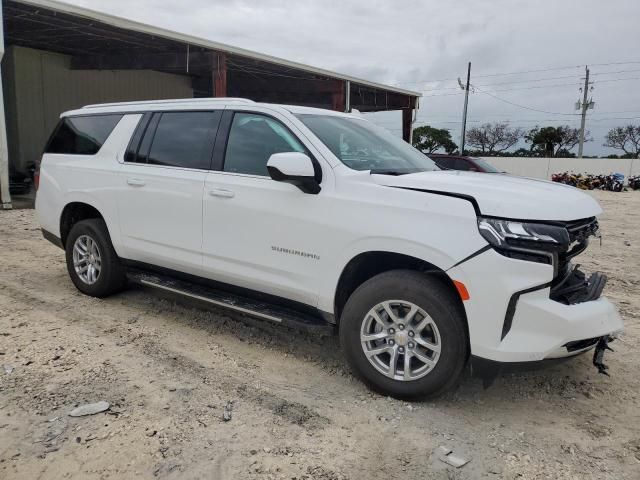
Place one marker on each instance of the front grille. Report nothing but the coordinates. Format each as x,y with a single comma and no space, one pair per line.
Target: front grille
570,285
579,233
580,230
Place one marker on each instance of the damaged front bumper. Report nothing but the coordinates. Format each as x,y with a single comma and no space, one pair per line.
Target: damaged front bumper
549,312
489,370
543,328
515,317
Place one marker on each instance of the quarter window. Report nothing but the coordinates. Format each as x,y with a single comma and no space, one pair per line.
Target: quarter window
82,135
253,138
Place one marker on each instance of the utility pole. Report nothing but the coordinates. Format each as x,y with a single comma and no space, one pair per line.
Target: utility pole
464,110
584,105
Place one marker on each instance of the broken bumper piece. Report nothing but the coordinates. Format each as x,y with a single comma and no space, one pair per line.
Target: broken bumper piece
574,287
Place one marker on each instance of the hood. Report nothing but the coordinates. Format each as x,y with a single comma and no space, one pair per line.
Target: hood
501,195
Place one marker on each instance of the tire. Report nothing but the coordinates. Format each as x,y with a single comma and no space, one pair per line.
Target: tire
432,297
111,277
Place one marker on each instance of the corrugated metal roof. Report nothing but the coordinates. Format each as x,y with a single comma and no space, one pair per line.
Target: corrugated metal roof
201,42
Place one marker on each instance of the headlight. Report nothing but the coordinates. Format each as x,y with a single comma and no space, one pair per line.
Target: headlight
538,242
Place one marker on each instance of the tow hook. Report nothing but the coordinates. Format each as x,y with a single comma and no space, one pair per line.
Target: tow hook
598,354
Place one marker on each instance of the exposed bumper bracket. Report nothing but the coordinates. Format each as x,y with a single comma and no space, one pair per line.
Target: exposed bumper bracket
575,287
598,354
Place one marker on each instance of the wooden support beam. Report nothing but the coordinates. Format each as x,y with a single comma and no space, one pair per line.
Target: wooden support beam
338,97
219,72
407,118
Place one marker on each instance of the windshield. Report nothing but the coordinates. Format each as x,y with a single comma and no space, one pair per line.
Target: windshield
486,166
363,146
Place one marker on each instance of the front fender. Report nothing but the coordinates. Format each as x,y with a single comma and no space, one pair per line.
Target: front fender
434,256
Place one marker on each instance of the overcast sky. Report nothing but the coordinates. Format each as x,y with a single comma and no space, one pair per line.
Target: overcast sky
411,42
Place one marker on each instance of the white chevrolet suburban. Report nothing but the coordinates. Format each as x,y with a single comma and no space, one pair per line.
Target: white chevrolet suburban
321,220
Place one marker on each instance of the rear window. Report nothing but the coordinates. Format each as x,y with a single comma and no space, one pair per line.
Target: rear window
83,135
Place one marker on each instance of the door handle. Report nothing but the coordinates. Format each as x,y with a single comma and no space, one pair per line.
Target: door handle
221,192
135,182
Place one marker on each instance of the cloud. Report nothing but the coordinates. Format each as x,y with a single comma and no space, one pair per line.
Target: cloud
408,42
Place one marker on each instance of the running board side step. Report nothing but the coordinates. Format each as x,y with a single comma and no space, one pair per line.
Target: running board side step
243,304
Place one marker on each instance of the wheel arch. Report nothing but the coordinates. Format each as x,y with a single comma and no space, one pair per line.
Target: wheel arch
72,213
366,265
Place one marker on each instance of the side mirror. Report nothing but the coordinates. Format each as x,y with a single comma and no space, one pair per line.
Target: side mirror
295,168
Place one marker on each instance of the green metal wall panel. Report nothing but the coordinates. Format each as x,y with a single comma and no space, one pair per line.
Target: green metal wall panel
44,86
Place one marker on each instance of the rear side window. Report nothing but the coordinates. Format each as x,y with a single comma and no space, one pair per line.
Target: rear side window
83,135
175,139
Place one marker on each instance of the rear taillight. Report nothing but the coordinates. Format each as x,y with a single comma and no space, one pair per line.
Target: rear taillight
36,175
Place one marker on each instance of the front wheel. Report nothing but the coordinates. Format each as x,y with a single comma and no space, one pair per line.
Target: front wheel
404,334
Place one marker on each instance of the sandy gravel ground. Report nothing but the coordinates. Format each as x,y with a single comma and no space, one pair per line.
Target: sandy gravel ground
168,371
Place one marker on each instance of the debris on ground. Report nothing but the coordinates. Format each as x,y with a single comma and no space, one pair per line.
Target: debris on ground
8,369
447,456
228,409
89,409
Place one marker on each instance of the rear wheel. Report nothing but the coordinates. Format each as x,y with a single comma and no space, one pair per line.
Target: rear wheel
92,263
404,334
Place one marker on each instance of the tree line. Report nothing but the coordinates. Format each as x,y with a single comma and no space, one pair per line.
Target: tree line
495,139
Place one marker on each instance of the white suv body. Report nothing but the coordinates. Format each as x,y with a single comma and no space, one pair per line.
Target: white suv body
220,213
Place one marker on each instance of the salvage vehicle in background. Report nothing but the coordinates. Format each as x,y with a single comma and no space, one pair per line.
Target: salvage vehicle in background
463,163
321,220
21,183
614,182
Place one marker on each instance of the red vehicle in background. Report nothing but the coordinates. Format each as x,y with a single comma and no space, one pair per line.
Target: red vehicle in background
460,162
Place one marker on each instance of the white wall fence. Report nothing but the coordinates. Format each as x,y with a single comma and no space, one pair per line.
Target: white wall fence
545,167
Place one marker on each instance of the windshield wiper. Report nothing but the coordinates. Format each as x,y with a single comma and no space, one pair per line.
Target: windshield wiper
389,172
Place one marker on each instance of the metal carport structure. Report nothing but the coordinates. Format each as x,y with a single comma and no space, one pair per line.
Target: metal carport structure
91,41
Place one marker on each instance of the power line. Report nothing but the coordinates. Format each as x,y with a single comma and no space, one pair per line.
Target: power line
615,73
437,89
504,83
524,72
519,123
618,79
524,106
572,84
443,94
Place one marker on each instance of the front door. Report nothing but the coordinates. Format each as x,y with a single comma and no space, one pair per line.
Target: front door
258,233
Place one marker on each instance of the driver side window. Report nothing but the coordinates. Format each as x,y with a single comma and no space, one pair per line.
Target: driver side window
253,138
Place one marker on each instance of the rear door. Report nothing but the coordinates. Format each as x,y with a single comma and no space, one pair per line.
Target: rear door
162,181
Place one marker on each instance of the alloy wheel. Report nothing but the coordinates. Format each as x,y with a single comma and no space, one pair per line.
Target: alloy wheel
87,260
400,340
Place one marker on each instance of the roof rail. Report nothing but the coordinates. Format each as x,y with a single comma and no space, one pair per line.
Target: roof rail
173,101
